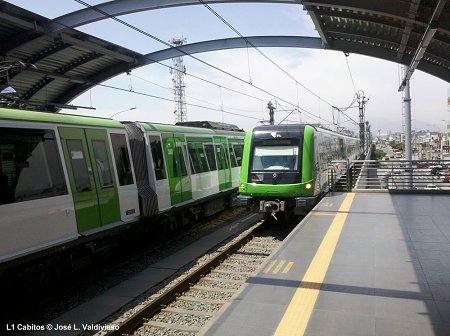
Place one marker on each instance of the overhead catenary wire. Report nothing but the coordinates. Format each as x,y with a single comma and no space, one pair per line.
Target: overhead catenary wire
350,72
171,100
187,54
179,49
195,98
173,47
248,42
202,61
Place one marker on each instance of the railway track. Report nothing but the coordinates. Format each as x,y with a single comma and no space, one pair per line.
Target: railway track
188,304
46,304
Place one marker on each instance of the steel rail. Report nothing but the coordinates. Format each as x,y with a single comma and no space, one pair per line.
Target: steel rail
154,307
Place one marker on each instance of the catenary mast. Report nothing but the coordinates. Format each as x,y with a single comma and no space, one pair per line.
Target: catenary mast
178,71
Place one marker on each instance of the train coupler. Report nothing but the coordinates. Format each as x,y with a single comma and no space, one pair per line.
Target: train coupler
271,206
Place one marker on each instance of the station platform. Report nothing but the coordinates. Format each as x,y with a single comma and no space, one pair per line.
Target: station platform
358,264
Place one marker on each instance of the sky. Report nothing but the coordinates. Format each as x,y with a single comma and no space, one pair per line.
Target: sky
330,75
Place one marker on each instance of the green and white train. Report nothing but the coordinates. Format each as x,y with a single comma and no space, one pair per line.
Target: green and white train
65,179
285,167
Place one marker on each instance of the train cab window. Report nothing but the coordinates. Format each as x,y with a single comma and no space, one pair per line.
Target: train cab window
30,165
158,158
79,166
122,159
102,163
275,158
209,150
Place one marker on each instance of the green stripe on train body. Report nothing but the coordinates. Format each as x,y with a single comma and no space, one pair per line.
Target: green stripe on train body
197,160
308,164
92,181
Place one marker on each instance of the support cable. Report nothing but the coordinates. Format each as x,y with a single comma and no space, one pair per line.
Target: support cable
265,56
198,59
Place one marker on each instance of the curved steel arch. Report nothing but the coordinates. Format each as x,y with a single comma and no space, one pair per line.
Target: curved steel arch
236,43
372,50
195,48
123,7
382,29
330,34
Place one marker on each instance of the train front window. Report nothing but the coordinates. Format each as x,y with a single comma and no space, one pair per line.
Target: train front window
283,158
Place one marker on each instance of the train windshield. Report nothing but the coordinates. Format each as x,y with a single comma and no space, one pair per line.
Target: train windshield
275,158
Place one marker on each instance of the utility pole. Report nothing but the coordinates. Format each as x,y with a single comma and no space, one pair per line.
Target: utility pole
407,130
271,111
362,100
178,71
407,110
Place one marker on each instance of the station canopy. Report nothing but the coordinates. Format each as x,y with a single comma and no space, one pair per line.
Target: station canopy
46,63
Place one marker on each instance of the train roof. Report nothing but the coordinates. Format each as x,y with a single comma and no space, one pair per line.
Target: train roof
186,129
57,118
70,119
297,127
211,124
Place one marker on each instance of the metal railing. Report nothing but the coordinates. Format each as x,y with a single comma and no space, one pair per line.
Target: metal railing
391,175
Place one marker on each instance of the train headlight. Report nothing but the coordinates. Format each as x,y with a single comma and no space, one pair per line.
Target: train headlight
242,186
257,177
308,186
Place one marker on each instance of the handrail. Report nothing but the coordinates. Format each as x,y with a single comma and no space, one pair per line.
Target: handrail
395,175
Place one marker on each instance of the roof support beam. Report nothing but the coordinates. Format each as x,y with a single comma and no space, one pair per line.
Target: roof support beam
193,48
53,75
408,28
20,23
95,47
234,43
122,7
423,45
319,26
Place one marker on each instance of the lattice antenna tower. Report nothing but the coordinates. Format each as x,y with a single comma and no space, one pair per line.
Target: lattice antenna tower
178,72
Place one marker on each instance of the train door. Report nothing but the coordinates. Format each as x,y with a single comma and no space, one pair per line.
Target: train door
88,158
223,162
177,163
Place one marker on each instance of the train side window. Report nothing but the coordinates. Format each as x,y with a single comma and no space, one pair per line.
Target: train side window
102,163
175,167
203,159
182,161
122,159
221,164
222,156
158,158
209,150
341,148
233,160
30,165
79,166
199,162
238,150
195,160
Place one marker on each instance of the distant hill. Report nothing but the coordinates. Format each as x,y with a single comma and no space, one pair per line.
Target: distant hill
392,126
